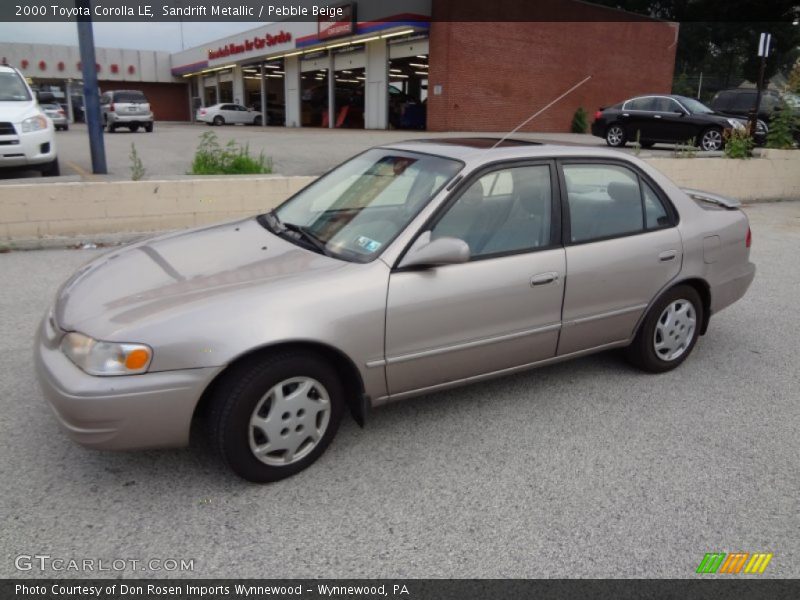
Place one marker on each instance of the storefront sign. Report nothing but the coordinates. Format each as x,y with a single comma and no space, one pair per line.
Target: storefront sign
341,22
256,43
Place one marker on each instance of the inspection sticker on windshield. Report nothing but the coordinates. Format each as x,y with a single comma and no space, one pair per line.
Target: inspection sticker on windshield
368,244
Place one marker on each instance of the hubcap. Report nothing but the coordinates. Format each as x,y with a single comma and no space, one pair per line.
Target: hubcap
675,330
614,136
289,421
712,140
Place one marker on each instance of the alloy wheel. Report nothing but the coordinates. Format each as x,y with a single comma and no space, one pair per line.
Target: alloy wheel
615,135
712,140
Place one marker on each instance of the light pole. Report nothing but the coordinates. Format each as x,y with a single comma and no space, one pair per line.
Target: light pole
91,93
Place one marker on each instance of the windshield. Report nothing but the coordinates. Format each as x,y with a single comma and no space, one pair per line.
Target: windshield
695,106
358,208
13,88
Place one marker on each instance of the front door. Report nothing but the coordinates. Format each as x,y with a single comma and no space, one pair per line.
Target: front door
622,248
501,309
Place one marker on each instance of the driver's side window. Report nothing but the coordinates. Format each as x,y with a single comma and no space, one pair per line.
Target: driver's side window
503,212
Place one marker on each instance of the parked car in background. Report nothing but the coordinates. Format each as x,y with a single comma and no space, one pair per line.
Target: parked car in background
27,134
57,114
413,267
739,102
228,114
664,118
126,108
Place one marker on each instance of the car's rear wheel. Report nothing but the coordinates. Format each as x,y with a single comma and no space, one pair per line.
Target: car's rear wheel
257,121
669,332
272,416
149,128
615,136
711,139
219,120
134,128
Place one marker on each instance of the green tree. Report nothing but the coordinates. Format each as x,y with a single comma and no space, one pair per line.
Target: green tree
579,121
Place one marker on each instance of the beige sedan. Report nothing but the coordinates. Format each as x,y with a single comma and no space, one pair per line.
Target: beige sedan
410,268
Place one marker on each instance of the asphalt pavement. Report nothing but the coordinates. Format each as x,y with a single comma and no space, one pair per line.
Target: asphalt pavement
168,151
583,469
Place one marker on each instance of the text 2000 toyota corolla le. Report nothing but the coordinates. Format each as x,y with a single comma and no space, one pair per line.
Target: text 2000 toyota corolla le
410,268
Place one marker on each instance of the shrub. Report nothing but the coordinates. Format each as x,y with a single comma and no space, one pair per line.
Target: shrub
233,159
686,150
738,144
137,168
781,127
580,122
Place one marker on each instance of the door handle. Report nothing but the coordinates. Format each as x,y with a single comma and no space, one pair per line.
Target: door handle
544,278
625,115
656,116
667,255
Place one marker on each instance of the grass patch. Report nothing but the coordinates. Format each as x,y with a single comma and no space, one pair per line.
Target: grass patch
211,158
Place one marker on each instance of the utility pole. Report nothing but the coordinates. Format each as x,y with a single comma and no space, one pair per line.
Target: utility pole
763,52
91,93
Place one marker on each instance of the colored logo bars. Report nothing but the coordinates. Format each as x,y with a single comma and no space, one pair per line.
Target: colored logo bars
719,562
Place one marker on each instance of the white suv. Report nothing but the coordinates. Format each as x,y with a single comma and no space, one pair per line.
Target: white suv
27,135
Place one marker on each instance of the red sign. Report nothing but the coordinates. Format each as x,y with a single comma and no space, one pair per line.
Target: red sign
257,43
341,22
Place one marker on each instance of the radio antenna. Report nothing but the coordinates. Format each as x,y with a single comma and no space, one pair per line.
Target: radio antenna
540,111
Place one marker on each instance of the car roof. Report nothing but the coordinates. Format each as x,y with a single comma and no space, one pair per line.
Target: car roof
476,147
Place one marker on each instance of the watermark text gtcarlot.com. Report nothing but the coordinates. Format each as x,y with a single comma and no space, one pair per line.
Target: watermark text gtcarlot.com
46,562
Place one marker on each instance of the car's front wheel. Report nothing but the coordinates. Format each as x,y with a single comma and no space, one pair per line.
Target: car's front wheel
711,139
669,332
272,416
615,136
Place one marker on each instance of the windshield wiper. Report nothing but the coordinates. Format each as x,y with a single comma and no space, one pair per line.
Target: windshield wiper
305,233
272,222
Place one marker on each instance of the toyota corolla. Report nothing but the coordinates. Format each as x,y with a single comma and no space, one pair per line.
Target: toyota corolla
410,268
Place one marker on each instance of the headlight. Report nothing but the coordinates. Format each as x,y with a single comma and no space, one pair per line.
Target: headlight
106,358
34,124
735,124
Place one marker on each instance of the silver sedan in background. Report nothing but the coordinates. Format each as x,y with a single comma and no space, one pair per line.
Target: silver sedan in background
57,114
411,268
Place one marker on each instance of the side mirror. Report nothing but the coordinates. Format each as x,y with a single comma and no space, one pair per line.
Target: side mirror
441,251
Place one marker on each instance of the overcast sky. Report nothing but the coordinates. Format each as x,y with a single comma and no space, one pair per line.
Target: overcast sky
137,36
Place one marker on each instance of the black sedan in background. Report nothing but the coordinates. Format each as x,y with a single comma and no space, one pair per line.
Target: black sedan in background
663,118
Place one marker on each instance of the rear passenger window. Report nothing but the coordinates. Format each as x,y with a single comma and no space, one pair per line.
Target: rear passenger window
655,214
604,201
607,201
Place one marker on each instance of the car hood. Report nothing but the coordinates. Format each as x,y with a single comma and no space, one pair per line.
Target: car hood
18,111
149,280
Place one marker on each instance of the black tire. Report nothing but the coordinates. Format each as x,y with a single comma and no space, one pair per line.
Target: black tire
51,169
615,135
219,120
642,352
236,396
134,128
66,128
709,134
149,128
257,121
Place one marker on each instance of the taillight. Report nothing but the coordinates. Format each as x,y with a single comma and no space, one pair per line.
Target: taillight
598,114
202,111
749,239
111,107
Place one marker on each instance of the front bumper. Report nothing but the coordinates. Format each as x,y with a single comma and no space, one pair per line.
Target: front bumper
153,410
34,148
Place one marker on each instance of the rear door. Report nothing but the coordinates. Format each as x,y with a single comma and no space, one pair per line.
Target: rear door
637,115
500,310
622,248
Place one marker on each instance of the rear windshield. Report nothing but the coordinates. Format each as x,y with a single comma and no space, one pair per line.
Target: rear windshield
12,88
129,97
